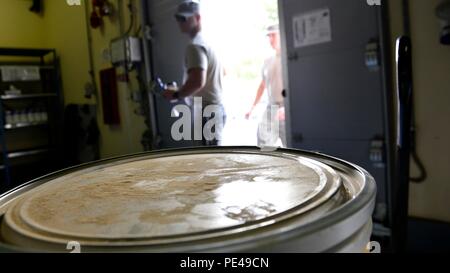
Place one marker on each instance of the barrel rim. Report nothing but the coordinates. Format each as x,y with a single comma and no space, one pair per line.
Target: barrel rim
361,200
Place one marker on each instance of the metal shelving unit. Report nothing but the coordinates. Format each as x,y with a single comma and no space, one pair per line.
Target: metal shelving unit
28,96
5,165
24,125
23,157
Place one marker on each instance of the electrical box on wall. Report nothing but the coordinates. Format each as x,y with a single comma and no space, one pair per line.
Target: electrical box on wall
125,50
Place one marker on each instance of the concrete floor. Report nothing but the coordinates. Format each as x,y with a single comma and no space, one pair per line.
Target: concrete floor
428,236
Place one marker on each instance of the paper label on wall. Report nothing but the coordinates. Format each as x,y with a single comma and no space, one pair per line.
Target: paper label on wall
312,28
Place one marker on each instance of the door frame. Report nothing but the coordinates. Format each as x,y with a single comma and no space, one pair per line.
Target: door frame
388,97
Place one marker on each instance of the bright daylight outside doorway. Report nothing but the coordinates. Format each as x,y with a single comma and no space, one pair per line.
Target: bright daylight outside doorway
238,32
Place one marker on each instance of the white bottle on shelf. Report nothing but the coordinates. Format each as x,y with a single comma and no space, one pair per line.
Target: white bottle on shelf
44,116
8,118
23,118
37,115
15,117
30,115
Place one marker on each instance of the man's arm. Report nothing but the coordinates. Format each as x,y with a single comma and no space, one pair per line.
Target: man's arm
195,82
259,94
197,65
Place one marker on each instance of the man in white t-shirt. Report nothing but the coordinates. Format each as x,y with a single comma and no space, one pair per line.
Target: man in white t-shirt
204,72
272,126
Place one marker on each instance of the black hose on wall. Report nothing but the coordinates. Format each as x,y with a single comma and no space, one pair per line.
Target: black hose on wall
422,176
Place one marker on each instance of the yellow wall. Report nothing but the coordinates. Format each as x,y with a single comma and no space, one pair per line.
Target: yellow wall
431,62
18,26
64,27
65,30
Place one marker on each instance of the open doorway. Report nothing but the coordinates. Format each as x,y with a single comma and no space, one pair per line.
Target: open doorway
237,30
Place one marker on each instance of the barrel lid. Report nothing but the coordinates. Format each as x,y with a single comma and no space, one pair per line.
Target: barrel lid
171,196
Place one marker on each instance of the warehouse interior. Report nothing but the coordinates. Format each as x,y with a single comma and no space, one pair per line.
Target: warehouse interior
78,86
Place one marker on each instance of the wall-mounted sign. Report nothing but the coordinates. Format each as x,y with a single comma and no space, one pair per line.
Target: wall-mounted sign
312,28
